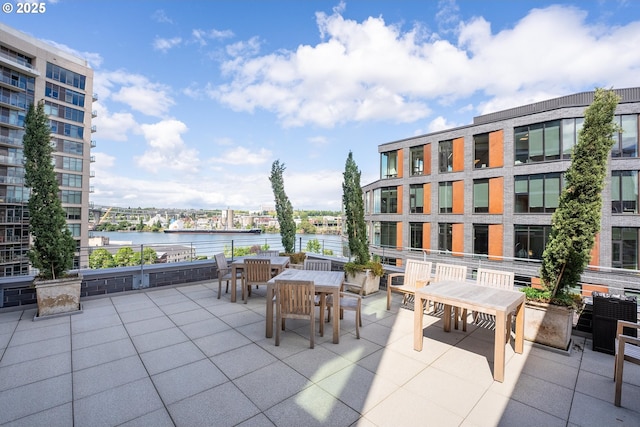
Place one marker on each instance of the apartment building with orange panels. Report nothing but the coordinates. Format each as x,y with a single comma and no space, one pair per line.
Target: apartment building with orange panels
490,188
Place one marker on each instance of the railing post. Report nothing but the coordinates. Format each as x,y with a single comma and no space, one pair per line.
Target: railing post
232,251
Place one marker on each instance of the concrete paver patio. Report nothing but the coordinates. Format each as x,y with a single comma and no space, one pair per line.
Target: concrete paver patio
181,357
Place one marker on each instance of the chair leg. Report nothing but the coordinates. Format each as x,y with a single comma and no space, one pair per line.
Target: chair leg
312,332
278,321
220,288
358,324
618,365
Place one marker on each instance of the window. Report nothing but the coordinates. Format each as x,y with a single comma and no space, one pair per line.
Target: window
538,142
481,196
537,193
72,164
481,239
17,194
624,192
66,129
367,202
624,247
530,240
65,76
72,147
73,213
54,91
71,180
416,198
74,229
570,130
445,237
385,200
71,197
626,142
417,160
56,110
389,165
445,197
384,234
445,156
415,235
481,149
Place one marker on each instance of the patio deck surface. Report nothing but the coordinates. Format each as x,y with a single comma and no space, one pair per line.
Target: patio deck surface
181,357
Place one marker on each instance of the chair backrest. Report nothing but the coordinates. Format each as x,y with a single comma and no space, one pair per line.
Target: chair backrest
317,264
416,270
495,278
295,298
221,261
257,270
268,254
450,272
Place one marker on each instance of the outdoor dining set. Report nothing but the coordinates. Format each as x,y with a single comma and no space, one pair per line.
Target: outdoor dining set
294,293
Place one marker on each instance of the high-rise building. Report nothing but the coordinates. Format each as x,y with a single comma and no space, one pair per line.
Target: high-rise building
32,70
489,189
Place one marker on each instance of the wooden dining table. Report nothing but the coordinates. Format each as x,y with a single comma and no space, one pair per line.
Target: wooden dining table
326,283
278,263
483,299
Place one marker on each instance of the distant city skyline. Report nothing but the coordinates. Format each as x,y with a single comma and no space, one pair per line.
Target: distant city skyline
197,99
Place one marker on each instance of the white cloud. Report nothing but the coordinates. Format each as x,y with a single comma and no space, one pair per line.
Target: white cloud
134,90
440,123
164,45
167,151
202,37
376,71
161,17
113,126
244,156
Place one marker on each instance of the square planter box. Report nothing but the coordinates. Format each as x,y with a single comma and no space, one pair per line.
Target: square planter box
548,324
58,296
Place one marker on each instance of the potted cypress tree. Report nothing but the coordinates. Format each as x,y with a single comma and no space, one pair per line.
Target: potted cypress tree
52,245
574,225
362,269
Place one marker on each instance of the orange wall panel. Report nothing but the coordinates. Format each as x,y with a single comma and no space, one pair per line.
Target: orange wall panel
496,232
457,238
496,195
427,198
458,154
400,199
496,149
427,159
458,197
399,236
400,163
595,251
426,235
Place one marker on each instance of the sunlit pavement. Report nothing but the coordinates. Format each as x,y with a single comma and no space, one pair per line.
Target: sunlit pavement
181,357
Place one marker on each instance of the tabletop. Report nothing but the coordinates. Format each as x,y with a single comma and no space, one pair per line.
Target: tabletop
319,278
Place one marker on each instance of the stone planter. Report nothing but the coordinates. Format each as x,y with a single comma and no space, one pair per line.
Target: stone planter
371,282
548,324
59,296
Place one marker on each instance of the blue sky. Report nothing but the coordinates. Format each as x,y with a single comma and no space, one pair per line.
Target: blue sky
197,99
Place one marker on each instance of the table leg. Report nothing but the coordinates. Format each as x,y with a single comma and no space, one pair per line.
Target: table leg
417,323
447,317
336,316
519,329
500,342
269,319
323,307
234,274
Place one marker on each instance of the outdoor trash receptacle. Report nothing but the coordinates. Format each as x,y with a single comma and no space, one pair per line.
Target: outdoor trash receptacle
607,310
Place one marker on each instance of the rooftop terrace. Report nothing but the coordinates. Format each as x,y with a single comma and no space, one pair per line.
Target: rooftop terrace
180,357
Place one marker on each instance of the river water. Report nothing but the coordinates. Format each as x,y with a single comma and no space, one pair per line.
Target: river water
208,244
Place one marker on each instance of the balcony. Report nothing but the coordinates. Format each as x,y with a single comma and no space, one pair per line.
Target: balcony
94,114
19,64
178,356
93,143
94,97
94,129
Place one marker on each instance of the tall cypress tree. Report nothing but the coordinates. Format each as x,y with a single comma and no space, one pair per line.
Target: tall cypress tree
53,245
576,221
284,210
354,212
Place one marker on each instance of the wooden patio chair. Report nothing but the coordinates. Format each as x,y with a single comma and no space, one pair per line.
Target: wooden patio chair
627,348
317,264
349,301
257,271
268,254
416,275
496,279
225,272
294,300
452,272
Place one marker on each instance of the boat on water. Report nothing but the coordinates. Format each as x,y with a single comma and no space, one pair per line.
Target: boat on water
213,231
